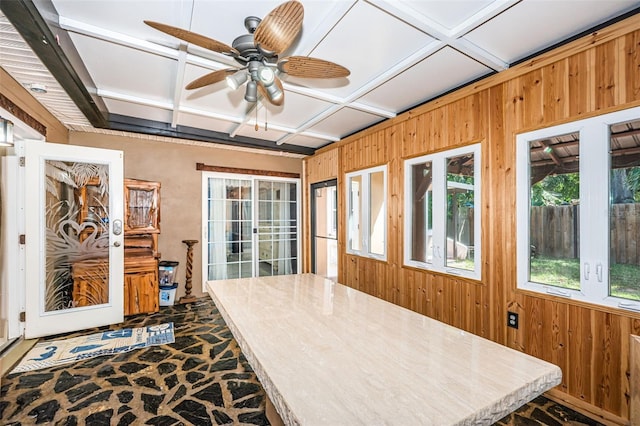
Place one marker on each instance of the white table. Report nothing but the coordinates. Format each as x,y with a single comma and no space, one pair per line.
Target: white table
327,354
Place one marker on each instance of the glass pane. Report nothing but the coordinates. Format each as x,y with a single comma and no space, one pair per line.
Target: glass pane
422,212
554,223
624,212
141,204
77,237
277,228
377,213
355,219
460,212
230,231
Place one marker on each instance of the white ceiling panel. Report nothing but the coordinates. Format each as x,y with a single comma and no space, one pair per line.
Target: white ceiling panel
344,122
304,140
448,13
533,25
204,122
127,71
400,53
431,77
143,112
297,110
368,54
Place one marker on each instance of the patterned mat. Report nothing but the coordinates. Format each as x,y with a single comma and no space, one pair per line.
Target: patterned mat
58,352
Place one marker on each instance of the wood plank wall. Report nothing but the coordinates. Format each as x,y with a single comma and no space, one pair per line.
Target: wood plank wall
596,74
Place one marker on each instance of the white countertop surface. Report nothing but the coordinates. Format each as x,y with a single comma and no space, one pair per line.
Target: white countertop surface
327,354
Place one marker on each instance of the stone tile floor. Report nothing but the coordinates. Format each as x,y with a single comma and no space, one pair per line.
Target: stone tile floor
201,379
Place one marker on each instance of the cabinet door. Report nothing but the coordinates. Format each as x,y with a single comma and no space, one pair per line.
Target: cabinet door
142,207
141,288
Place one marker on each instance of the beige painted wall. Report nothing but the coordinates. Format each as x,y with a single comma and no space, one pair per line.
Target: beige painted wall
174,166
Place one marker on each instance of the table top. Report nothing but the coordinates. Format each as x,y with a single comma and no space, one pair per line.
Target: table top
328,354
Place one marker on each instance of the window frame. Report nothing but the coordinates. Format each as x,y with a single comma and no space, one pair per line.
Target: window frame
365,205
594,137
439,210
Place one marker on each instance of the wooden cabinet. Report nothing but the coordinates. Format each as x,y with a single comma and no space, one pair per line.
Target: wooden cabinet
140,285
141,229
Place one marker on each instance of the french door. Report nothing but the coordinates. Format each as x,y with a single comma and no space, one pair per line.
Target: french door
250,226
73,240
324,229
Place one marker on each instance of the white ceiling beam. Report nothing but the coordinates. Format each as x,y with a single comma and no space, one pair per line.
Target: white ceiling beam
117,38
179,85
452,38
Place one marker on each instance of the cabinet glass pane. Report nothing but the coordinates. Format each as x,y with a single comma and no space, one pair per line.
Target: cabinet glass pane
142,208
624,212
554,215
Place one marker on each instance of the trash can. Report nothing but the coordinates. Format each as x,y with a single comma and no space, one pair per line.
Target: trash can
168,294
167,272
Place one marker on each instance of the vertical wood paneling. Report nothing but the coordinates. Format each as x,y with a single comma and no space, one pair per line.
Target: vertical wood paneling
580,93
591,345
555,80
606,65
631,65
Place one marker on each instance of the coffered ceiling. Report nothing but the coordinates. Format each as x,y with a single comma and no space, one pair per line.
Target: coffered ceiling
401,53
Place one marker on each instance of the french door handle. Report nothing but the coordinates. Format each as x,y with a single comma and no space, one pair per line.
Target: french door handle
599,272
586,270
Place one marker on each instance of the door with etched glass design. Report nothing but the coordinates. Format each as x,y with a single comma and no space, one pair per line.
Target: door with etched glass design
73,212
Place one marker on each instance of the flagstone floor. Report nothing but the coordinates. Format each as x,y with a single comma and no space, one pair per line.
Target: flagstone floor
201,379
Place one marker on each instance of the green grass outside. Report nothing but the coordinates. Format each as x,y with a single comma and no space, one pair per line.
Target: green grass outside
565,273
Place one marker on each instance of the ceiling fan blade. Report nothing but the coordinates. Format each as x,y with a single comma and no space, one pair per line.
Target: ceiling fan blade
304,66
280,27
191,37
264,94
212,77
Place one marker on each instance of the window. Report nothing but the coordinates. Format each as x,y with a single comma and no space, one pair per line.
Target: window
367,212
578,189
442,224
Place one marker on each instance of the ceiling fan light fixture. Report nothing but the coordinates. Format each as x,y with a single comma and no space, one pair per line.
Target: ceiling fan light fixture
266,76
251,94
274,92
236,80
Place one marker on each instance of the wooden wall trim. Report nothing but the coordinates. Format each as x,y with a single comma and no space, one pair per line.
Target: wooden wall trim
595,39
22,115
585,408
634,380
207,168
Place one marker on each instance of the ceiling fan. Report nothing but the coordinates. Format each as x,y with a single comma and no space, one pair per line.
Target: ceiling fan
258,54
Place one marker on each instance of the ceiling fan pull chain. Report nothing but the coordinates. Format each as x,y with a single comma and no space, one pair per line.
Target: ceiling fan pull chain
265,118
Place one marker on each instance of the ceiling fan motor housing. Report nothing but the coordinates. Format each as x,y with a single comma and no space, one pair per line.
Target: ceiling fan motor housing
251,23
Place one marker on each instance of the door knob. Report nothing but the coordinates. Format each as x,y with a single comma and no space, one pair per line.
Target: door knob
116,244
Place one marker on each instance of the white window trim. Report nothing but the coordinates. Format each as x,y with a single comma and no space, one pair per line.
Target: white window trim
365,232
594,225
439,214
